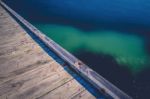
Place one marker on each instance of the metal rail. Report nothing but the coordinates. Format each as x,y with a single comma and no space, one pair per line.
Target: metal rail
94,78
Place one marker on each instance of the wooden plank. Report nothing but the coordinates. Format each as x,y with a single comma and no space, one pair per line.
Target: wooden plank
43,87
29,79
12,75
64,92
20,61
17,47
84,95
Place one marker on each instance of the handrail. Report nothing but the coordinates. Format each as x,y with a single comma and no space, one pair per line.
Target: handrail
94,78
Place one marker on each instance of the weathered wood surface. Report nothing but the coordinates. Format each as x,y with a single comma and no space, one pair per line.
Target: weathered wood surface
27,72
94,78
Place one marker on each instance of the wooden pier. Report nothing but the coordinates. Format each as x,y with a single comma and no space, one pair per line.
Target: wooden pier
34,66
27,71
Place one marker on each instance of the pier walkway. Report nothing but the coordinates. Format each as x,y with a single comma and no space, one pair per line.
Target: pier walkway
28,72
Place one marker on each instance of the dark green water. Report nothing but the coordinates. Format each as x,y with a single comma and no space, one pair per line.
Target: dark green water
112,37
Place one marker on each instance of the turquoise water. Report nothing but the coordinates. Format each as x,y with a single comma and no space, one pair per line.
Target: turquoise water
127,50
111,37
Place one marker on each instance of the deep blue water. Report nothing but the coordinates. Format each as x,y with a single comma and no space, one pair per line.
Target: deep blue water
127,17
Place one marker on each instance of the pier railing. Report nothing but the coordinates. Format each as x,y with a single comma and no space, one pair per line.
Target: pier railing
94,78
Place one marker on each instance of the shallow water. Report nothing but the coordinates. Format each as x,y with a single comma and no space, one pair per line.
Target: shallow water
126,49
112,37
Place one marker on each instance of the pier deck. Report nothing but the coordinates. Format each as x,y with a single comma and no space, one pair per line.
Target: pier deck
27,71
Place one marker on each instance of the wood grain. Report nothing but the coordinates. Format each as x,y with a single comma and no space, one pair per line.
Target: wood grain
26,71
